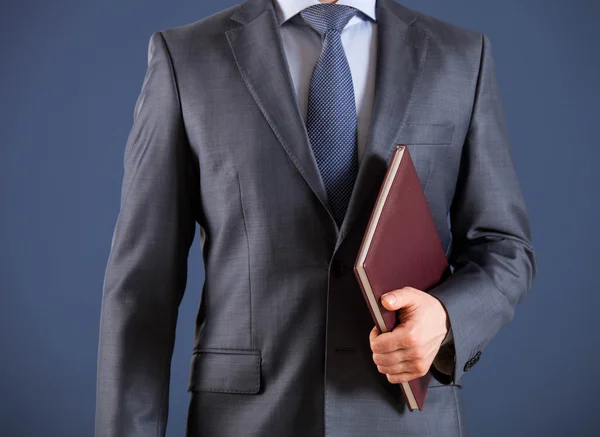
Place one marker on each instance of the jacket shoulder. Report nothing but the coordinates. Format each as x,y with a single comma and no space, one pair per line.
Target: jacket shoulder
447,35
200,30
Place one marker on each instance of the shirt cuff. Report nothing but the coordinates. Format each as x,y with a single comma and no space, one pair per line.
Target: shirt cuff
449,337
445,359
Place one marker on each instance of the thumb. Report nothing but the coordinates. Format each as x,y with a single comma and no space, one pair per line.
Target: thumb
395,299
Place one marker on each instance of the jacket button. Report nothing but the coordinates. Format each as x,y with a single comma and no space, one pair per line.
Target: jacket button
472,361
338,269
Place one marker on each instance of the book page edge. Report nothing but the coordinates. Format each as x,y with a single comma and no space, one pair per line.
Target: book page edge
410,395
372,301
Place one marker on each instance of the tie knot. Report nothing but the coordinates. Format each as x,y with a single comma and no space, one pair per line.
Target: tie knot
328,16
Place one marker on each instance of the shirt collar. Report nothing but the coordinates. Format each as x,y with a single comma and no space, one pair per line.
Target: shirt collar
286,9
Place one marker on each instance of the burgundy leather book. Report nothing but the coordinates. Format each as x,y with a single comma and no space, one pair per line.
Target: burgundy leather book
401,247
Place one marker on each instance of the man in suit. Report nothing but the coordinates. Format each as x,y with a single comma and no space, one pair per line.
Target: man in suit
271,124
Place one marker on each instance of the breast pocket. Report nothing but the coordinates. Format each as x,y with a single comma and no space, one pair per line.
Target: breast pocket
423,134
427,144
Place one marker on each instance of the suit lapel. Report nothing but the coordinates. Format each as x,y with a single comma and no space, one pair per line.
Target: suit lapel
260,57
401,52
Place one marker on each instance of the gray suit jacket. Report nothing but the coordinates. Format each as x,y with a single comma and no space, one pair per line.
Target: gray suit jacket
281,342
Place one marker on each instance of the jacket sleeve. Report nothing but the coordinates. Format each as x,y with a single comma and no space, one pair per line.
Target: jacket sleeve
492,255
146,272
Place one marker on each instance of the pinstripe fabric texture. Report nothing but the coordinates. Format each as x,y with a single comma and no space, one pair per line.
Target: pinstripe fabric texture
331,113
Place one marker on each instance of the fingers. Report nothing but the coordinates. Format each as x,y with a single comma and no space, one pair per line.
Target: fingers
402,377
398,368
400,364
414,367
413,358
402,337
375,332
402,297
392,362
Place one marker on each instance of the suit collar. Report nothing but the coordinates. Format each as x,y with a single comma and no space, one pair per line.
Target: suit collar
252,9
286,9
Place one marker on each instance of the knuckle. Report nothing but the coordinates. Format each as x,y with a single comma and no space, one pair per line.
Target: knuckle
411,338
413,354
377,358
382,347
420,352
421,367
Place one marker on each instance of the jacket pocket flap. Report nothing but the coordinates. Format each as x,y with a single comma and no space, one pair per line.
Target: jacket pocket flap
424,133
225,370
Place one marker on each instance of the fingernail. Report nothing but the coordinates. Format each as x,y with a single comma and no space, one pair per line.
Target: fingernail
389,298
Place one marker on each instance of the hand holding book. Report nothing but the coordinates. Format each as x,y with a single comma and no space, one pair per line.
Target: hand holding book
407,352
401,252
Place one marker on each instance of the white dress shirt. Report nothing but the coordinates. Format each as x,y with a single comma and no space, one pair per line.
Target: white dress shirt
302,47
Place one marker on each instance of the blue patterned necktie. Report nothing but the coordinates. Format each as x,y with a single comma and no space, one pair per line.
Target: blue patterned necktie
331,112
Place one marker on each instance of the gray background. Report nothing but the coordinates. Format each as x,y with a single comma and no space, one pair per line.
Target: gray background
70,74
